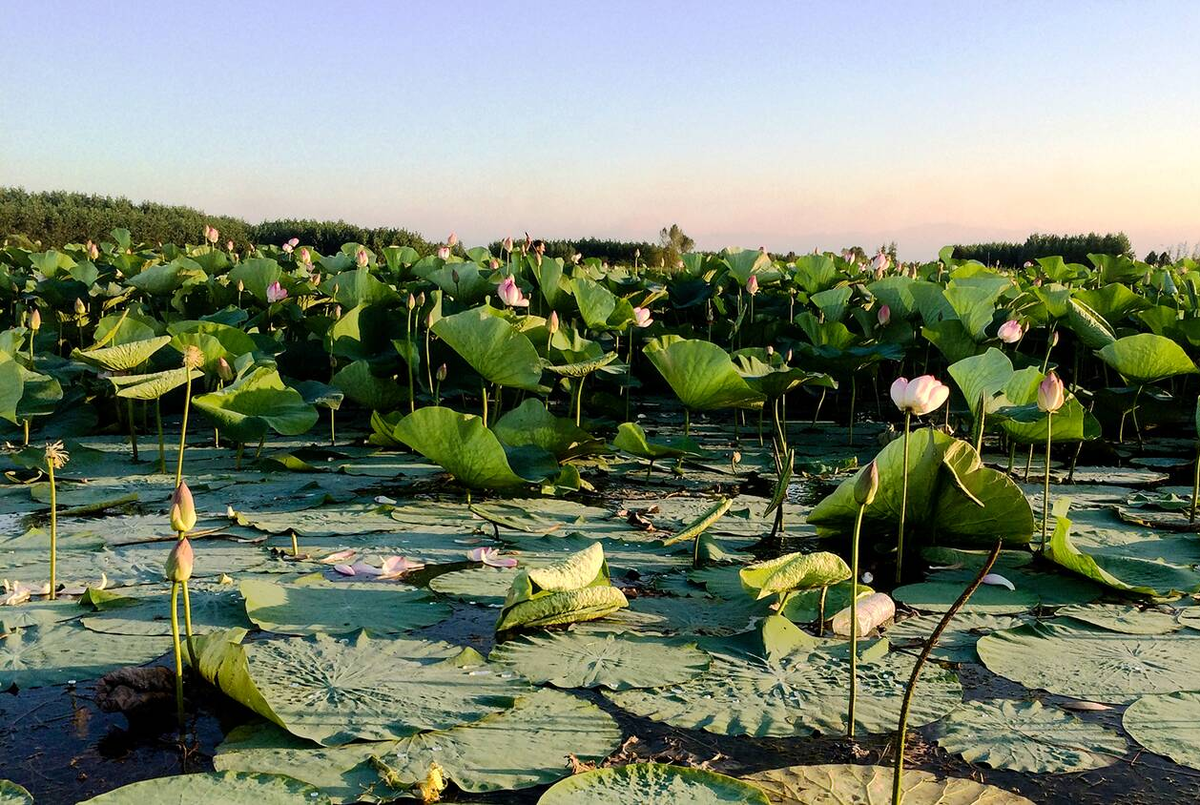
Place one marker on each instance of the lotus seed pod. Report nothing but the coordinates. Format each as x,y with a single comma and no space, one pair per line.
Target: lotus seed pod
873,611
180,561
183,509
867,485
57,455
193,358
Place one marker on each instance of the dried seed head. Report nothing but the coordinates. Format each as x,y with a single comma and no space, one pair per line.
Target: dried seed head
193,358
57,455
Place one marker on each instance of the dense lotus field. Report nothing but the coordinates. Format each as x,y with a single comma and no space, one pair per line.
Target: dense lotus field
290,527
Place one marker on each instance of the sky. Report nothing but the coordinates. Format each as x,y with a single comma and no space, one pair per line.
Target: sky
790,125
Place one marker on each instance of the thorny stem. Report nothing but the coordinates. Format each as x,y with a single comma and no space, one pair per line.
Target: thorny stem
898,769
903,501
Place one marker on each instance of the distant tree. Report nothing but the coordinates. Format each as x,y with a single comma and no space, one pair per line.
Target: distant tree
674,244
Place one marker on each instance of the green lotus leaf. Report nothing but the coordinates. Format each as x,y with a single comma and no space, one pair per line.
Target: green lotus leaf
571,606
836,783
632,439
1113,302
652,784
56,653
701,374
832,302
612,661
531,424
1147,358
255,274
495,349
358,381
255,402
1123,618
25,394
974,304
952,339
794,571
462,445
1022,420
583,368
358,287
124,357
983,378
1166,725
1089,325
13,794
213,607
769,376
596,303
152,386
166,278
227,787
339,607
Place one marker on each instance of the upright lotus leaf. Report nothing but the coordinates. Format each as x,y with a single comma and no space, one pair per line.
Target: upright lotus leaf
549,275
632,439
794,571
983,377
744,262
896,294
359,382
771,377
226,787
166,278
652,784
815,272
575,588
1166,725
615,661
1147,358
596,303
531,424
358,287
495,349
701,374
214,340
1089,326
255,402
256,274
1113,301
124,357
833,302
974,301
1022,420
853,783
334,691
154,385
460,444
25,394
947,484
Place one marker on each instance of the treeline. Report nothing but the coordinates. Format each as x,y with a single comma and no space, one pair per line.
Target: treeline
58,217
1071,248
614,252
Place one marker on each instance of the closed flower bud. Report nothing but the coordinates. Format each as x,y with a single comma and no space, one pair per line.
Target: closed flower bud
183,509
1050,394
867,485
80,307
180,561
441,373
412,301
35,320
552,325
224,370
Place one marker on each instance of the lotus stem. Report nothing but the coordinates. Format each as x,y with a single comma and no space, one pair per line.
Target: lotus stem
821,611
262,440
332,427
132,429
853,400
483,391
1195,488
178,652
1046,484
295,545
53,531
579,401
854,622
902,729
187,621
628,375
428,363
162,446
903,501
25,422
187,400
817,413
687,422
1028,464
241,446
982,420
412,399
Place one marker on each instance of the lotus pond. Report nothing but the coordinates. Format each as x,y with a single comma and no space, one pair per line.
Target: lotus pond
281,527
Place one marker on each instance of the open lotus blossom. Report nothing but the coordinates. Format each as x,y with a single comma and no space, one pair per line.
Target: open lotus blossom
1050,394
920,395
293,242
287,248
1010,332
884,315
393,568
996,580
491,557
211,234
880,263
276,292
510,293
752,284
338,557
642,317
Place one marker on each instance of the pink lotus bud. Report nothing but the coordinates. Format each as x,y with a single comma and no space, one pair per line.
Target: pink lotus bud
642,317
276,292
212,234
229,245
443,252
880,264
362,258
510,294
224,370
180,561
1050,394
93,251
183,509
293,242
305,256
337,311
575,258
920,395
412,301
441,373
884,315
867,485
80,307
1010,332
507,244
752,284
452,241
552,324
35,320
1054,339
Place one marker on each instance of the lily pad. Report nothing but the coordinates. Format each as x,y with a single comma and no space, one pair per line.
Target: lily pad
212,608
702,616
957,643
339,607
1166,725
486,586
939,596
652,784
850,783
13,794
1123,618
51,655
1027,737
612,661
794,571
233,788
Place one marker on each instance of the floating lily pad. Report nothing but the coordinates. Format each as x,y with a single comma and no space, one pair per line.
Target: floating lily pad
58,653
652,784
227,787
957,643
836,783
340,607
1025,736
213,608
1123,618
939,596
705,616
13,794
1074,659
486,586
37,613
1167,725
613,661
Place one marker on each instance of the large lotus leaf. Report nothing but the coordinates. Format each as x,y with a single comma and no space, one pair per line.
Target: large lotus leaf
361,384
1146,358
1069,658
339,607
54,654
851,783
1125,573
1089,326
37,613
256,402
255,274
167,278
152,386
13,794
12,386
569,606
124,357
697,615
334,691
1027,737
952,339
613,661
358,287
581,569
652,784
1114,301
495,349
974,306
896,294
794,571
772,378
531,424
978,504
1024,422
779,681
226,787
939,596
486,586
1167,725
518,748
982,378
632,439
1123,618
213,607
462,445
701,374
596,303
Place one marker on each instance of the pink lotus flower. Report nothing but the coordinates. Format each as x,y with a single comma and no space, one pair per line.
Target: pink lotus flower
443,252
491,557
362,258
93,251
452,241
1050,394
884,315
507,245
211,234
1010,332
276,292
920,395
752,284
552,322
183,509
337,557
293,242
393,568
510,294
287,248
305,257
642,317
880,263
180,561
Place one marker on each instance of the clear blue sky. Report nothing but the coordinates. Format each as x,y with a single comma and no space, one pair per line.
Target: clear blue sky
785,124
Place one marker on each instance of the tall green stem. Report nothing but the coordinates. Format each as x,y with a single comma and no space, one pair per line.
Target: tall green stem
187,622
483,390
187,400
132,428
162,445
1195,488
1046,485
903,501
408,359
980,424
53,531
178,652
854,623
579,401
